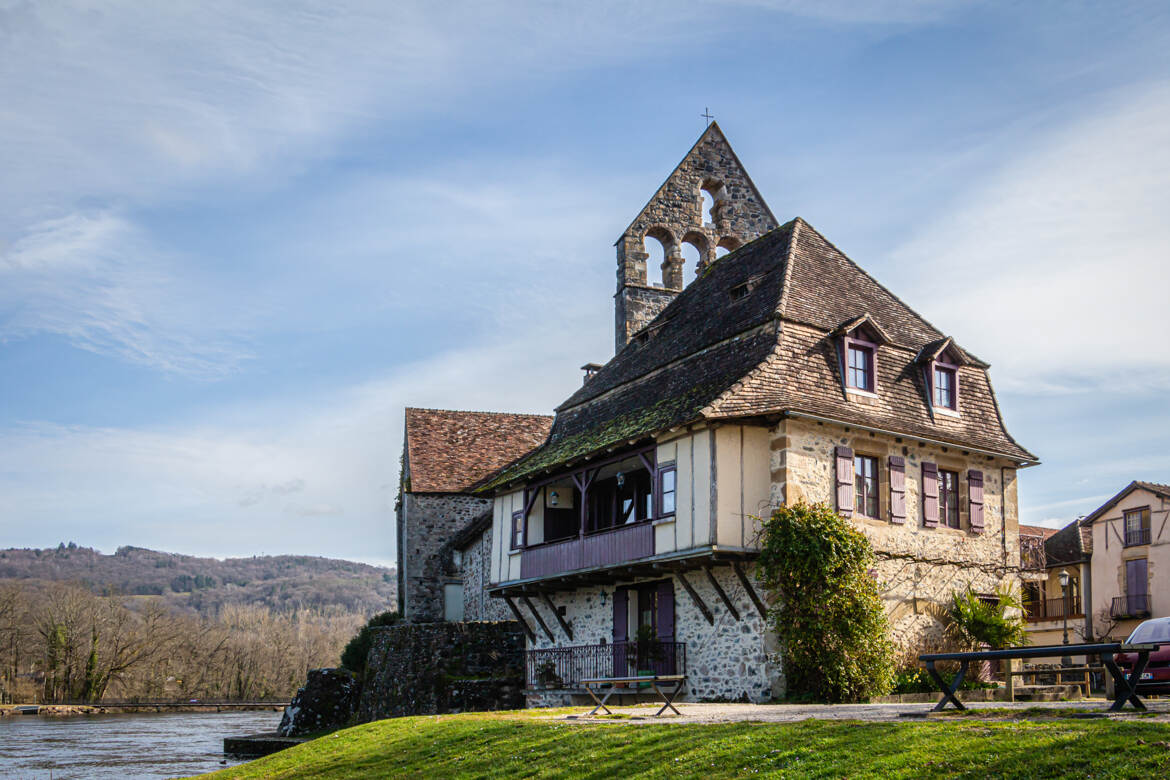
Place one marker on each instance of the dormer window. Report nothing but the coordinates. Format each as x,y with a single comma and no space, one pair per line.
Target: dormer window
860,361
946,386
940,363
857,343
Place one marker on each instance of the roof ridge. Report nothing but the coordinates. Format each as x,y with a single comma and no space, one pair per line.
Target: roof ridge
475,411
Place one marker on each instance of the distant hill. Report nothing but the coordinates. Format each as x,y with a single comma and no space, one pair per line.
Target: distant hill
282,582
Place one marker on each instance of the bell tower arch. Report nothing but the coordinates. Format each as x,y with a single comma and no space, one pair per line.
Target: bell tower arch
708,202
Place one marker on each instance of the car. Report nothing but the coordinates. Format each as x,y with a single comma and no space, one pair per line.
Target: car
1156,678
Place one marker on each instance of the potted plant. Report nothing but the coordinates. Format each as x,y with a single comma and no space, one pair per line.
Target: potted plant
647,650
546,675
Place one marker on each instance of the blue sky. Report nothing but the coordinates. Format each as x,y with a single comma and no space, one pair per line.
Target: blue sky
237,238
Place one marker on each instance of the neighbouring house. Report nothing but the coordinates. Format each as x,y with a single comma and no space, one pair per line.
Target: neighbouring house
1049,606
781,372
442,534
1130,565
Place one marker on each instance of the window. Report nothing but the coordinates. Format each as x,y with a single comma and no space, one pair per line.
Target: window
453,602
667,486
945,387
517,530
865,485
1137,526
859,365
948,497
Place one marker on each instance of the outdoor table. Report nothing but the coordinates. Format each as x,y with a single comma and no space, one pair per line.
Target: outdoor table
1125,685
598,683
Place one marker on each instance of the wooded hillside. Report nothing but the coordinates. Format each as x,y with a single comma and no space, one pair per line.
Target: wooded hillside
283,583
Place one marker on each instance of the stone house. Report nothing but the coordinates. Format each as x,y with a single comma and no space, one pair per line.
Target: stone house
441,529
782,372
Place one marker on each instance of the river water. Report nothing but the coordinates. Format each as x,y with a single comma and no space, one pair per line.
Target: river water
153,745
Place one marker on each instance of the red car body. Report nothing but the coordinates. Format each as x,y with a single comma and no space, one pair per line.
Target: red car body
1156,678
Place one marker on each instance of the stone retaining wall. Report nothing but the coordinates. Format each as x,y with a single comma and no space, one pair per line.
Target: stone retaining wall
433,668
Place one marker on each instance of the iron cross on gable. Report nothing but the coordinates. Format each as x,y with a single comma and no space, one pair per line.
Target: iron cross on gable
707,115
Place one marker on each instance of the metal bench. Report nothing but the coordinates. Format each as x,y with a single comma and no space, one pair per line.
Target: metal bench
1125,685
612,684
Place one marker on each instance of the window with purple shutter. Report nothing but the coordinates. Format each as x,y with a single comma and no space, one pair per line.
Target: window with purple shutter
948,497
665,617
945,386
1137,585
621,631
865,487
929,495
975,500
897,489
845,481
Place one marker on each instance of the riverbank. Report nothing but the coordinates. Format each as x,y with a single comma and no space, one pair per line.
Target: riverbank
68,710
544,744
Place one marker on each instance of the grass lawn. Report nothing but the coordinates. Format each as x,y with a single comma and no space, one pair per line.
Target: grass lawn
519,745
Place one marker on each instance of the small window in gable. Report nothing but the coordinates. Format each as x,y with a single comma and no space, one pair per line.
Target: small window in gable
859,365
942,377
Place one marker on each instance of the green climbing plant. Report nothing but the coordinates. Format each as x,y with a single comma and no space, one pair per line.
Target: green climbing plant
828,616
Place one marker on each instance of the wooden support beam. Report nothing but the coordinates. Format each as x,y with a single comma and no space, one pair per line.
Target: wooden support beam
568,629
539,619
747,585
695,598
722,594
520,618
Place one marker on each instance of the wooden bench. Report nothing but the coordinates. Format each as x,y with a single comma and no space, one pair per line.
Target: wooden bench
612,684
1125,685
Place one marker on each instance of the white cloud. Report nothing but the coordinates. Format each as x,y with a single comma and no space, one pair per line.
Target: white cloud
1055,264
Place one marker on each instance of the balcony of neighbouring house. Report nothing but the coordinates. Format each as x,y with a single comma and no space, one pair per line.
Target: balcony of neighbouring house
597,549
1133,606
565,667
1052,609
1136,536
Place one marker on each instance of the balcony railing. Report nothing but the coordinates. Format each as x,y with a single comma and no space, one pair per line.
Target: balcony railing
565,667
1052,609
1136,536
1137,605
603,548
1032,556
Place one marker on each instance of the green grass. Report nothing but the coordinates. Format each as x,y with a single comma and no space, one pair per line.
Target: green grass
519,745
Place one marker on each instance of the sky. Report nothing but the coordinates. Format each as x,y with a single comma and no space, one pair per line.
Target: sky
237,239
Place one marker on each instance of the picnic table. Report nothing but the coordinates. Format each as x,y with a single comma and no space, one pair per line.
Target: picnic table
673,682
1125,685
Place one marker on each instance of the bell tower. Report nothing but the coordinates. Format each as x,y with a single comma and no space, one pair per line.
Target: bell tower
675,216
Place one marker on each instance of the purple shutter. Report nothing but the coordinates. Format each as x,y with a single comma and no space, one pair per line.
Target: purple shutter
975,495
665,616
897,489
621,631
929,495
845,481
1135,581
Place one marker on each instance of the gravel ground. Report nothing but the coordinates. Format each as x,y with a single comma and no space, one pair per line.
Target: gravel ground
787,713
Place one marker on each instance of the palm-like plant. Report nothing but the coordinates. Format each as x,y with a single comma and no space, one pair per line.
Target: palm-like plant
976,621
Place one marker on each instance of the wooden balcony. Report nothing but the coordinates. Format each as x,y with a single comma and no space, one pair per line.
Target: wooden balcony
610,547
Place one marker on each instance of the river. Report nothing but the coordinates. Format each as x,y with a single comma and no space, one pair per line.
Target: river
154,745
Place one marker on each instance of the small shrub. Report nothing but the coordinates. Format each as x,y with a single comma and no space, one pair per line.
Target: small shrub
977,622
353,657
829,616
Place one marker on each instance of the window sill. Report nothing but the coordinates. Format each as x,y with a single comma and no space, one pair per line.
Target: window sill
945,412
860,392
664,520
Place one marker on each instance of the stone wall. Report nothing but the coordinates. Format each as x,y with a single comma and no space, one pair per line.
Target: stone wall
919,567
476,572
730,660
433,668
427,524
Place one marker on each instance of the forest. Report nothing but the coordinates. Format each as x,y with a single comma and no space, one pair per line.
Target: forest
147,626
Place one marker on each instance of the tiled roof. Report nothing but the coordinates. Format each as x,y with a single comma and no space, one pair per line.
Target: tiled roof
450,451
1157,488
1037,530
1067,546
712,354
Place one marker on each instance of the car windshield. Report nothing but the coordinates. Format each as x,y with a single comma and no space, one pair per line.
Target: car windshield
1151,631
